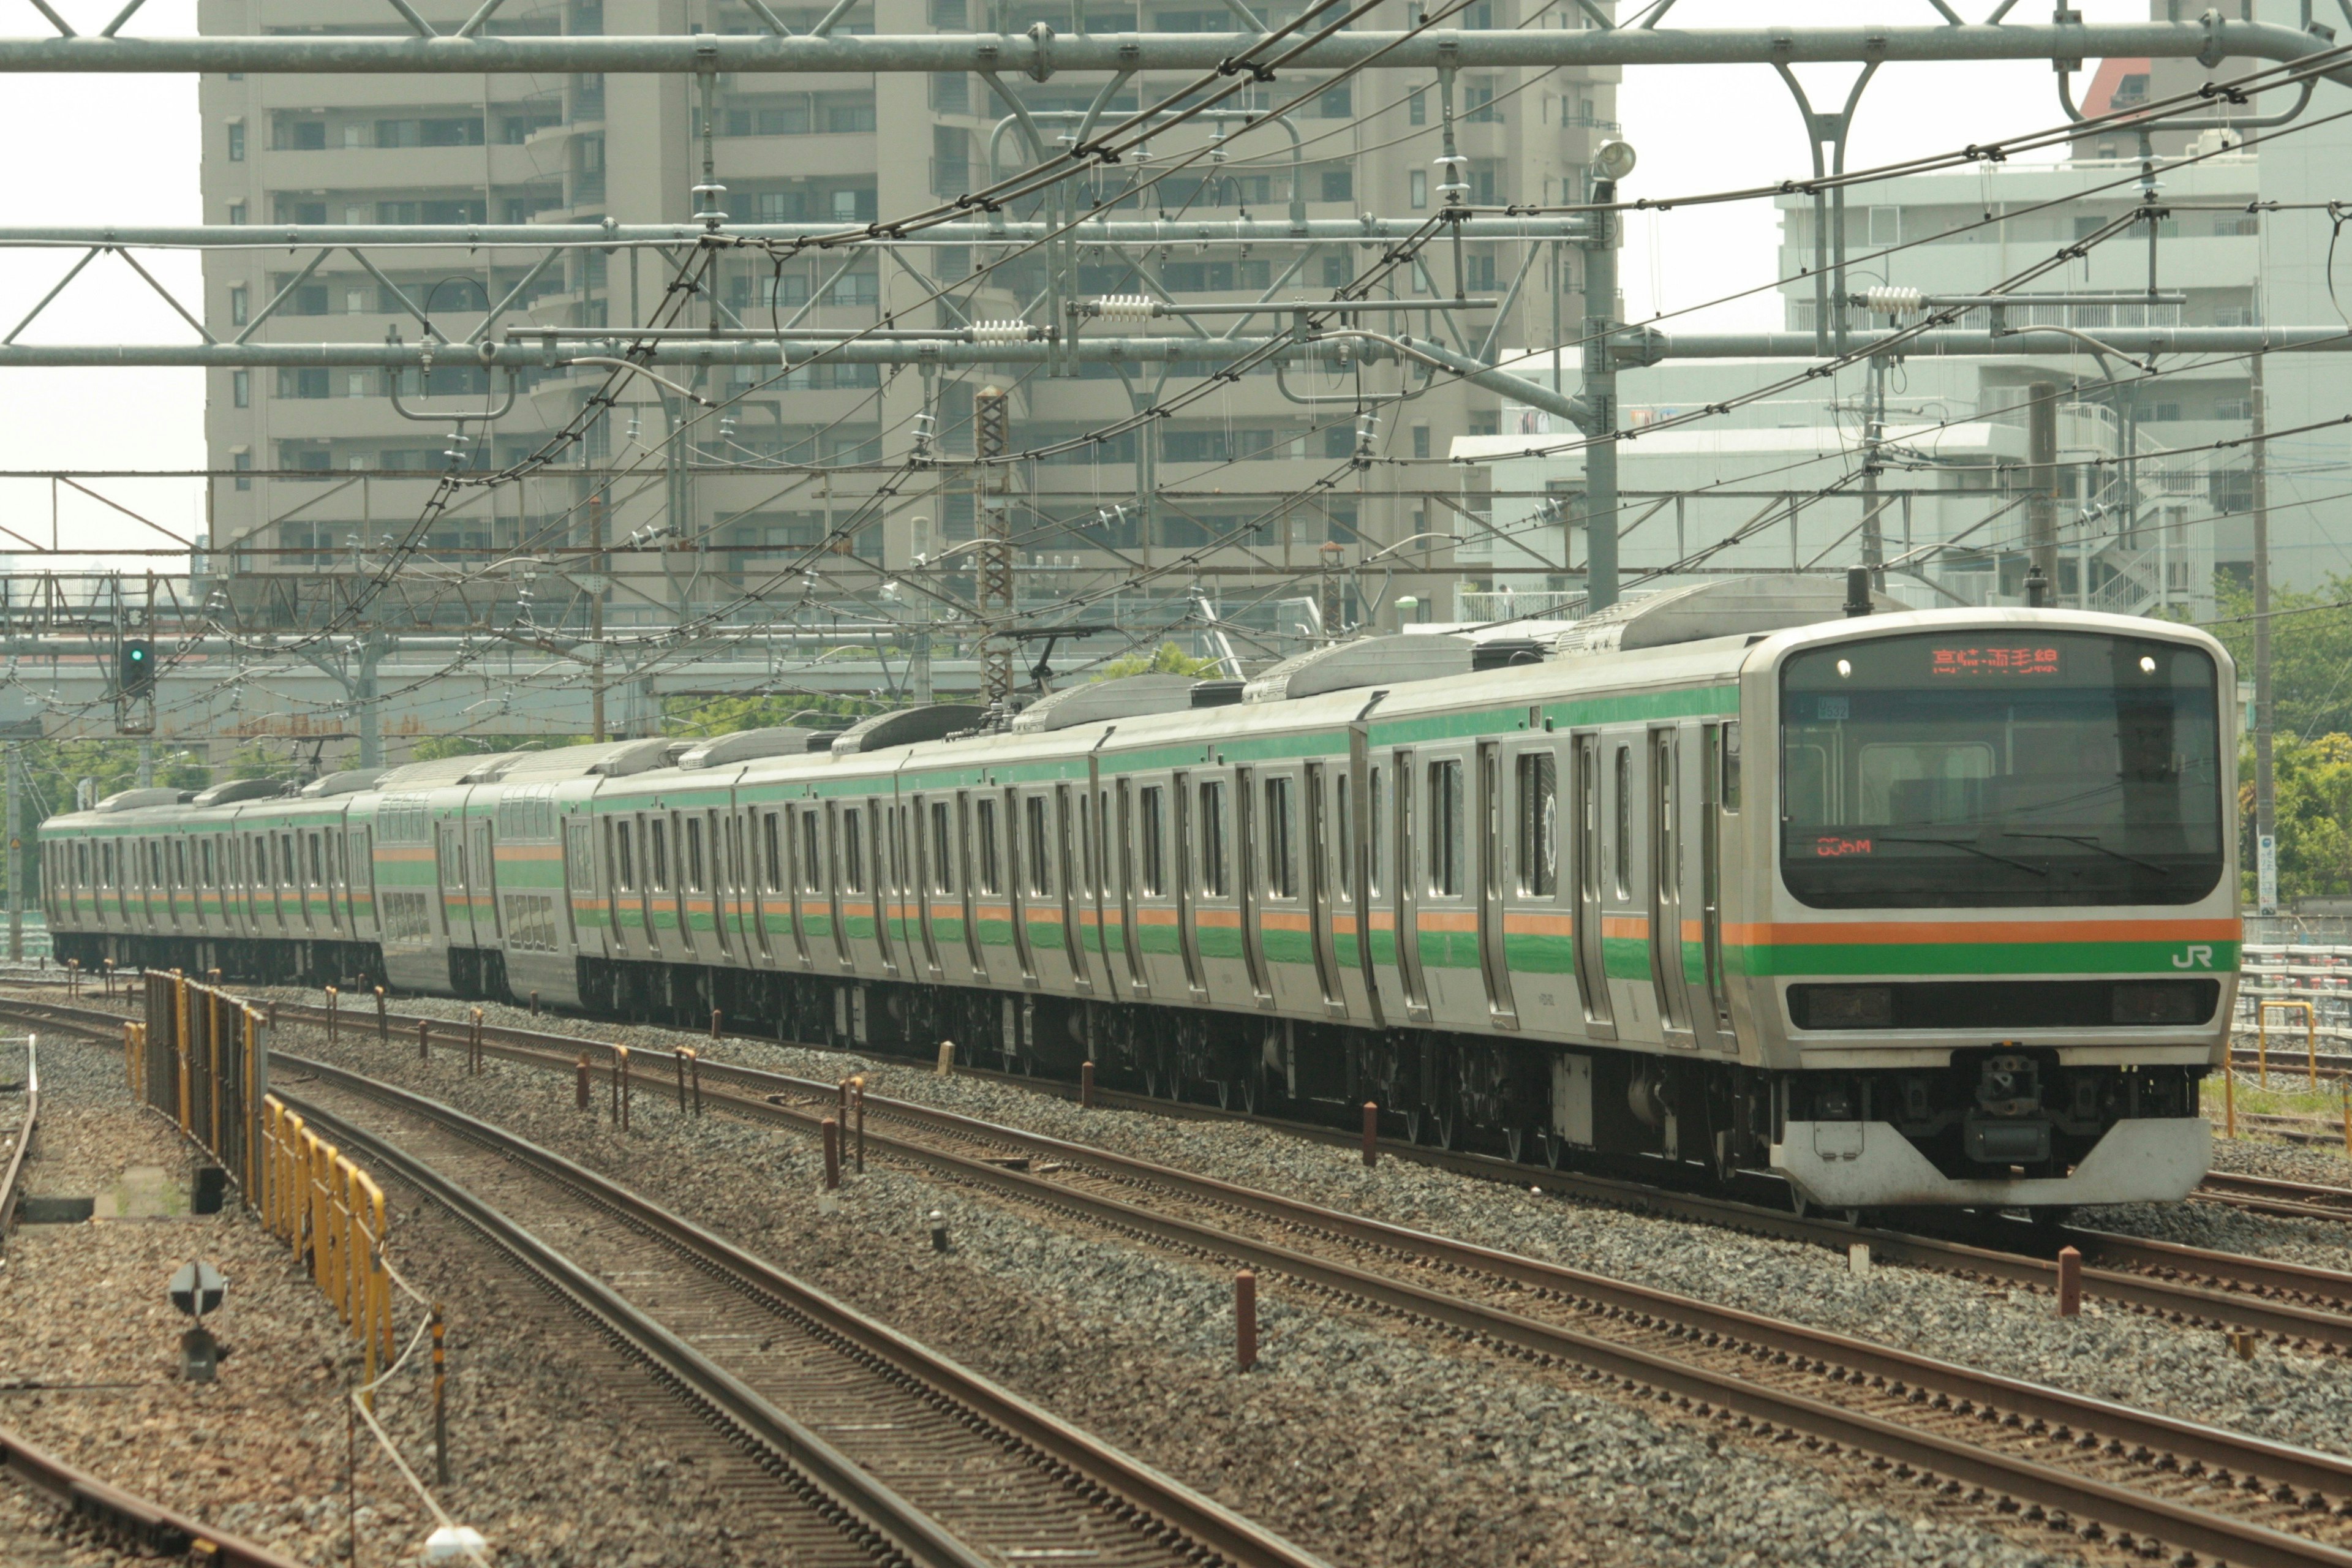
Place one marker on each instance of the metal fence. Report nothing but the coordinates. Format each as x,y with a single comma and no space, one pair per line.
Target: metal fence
202,1059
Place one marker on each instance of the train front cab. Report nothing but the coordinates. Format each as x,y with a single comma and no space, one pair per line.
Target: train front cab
1986,931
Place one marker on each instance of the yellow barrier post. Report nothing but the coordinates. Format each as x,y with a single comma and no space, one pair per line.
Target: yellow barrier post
2229,1101
180,1046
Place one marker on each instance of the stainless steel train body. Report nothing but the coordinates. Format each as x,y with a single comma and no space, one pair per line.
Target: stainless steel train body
1920,908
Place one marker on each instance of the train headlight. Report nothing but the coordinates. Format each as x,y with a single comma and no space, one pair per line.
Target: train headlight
2147,663
1844,668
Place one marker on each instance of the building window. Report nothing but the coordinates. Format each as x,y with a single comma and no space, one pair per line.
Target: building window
240,305
240,388
1421,441
1417,189
1416,107
242,462
236,212
1338,186
236,144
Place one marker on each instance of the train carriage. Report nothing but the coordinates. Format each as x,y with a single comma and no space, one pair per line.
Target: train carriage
1907,907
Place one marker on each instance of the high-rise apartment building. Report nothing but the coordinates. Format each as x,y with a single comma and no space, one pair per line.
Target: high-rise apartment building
1246,484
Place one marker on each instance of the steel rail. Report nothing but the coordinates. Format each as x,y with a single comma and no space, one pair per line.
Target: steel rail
1208,1525
869,1506
2308,1470
137,1520
1712,1393
1041,52
15,1168
2144,1275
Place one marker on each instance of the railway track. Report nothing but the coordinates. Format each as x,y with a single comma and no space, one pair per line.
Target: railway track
2290,1304
2100,1469
89,1504
19,1143
916,1458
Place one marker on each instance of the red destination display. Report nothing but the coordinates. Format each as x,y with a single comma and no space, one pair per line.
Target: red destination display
1992,659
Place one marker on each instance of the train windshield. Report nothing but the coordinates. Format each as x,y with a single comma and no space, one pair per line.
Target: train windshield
1999,766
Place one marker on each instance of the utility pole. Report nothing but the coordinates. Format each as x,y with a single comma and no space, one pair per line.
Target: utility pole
991,423
2041,481
1600,392
1873,434
600,569
363,697
15,859
2265,784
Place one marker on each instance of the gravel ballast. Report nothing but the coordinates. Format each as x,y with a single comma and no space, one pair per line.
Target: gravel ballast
1375,1444
549,1461
2115,1354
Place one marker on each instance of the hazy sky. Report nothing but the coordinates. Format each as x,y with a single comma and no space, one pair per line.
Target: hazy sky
98,150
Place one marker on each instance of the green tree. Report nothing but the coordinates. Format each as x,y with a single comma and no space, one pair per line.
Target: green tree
2314,815
2310,654
1166,659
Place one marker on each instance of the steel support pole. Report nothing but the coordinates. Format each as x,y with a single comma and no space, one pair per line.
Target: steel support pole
1600,399
16,858
2041,481
993,438
2265,779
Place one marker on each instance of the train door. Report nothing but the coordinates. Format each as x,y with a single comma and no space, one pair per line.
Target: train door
457,912
1494,962
1538,888
1406,863
1590,868
1245,888
1669,972
1122,848
1188,933
1067,828
1358,823
482,887
929,872
1022,862
882,824
969,863
1321,823
836,906
1719,751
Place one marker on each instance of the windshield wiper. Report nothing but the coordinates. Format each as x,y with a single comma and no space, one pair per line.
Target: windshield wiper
1962,844
2089,842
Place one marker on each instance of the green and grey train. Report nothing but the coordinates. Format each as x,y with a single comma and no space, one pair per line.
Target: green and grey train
1910,907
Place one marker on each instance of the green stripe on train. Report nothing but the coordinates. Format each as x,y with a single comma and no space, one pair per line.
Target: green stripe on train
1986,958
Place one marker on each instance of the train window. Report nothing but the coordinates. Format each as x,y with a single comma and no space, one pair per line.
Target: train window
853,850
772,851
205,862
1378,840
1085,842
1539,819
1281,850
1445,828
179,862
694,879
1033,828
625,865
81,864
658,852
580,862
1154,845
1213,841
812,853
1730,734
318,864
943,847
1343,840
991,868
291,867
1624,855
